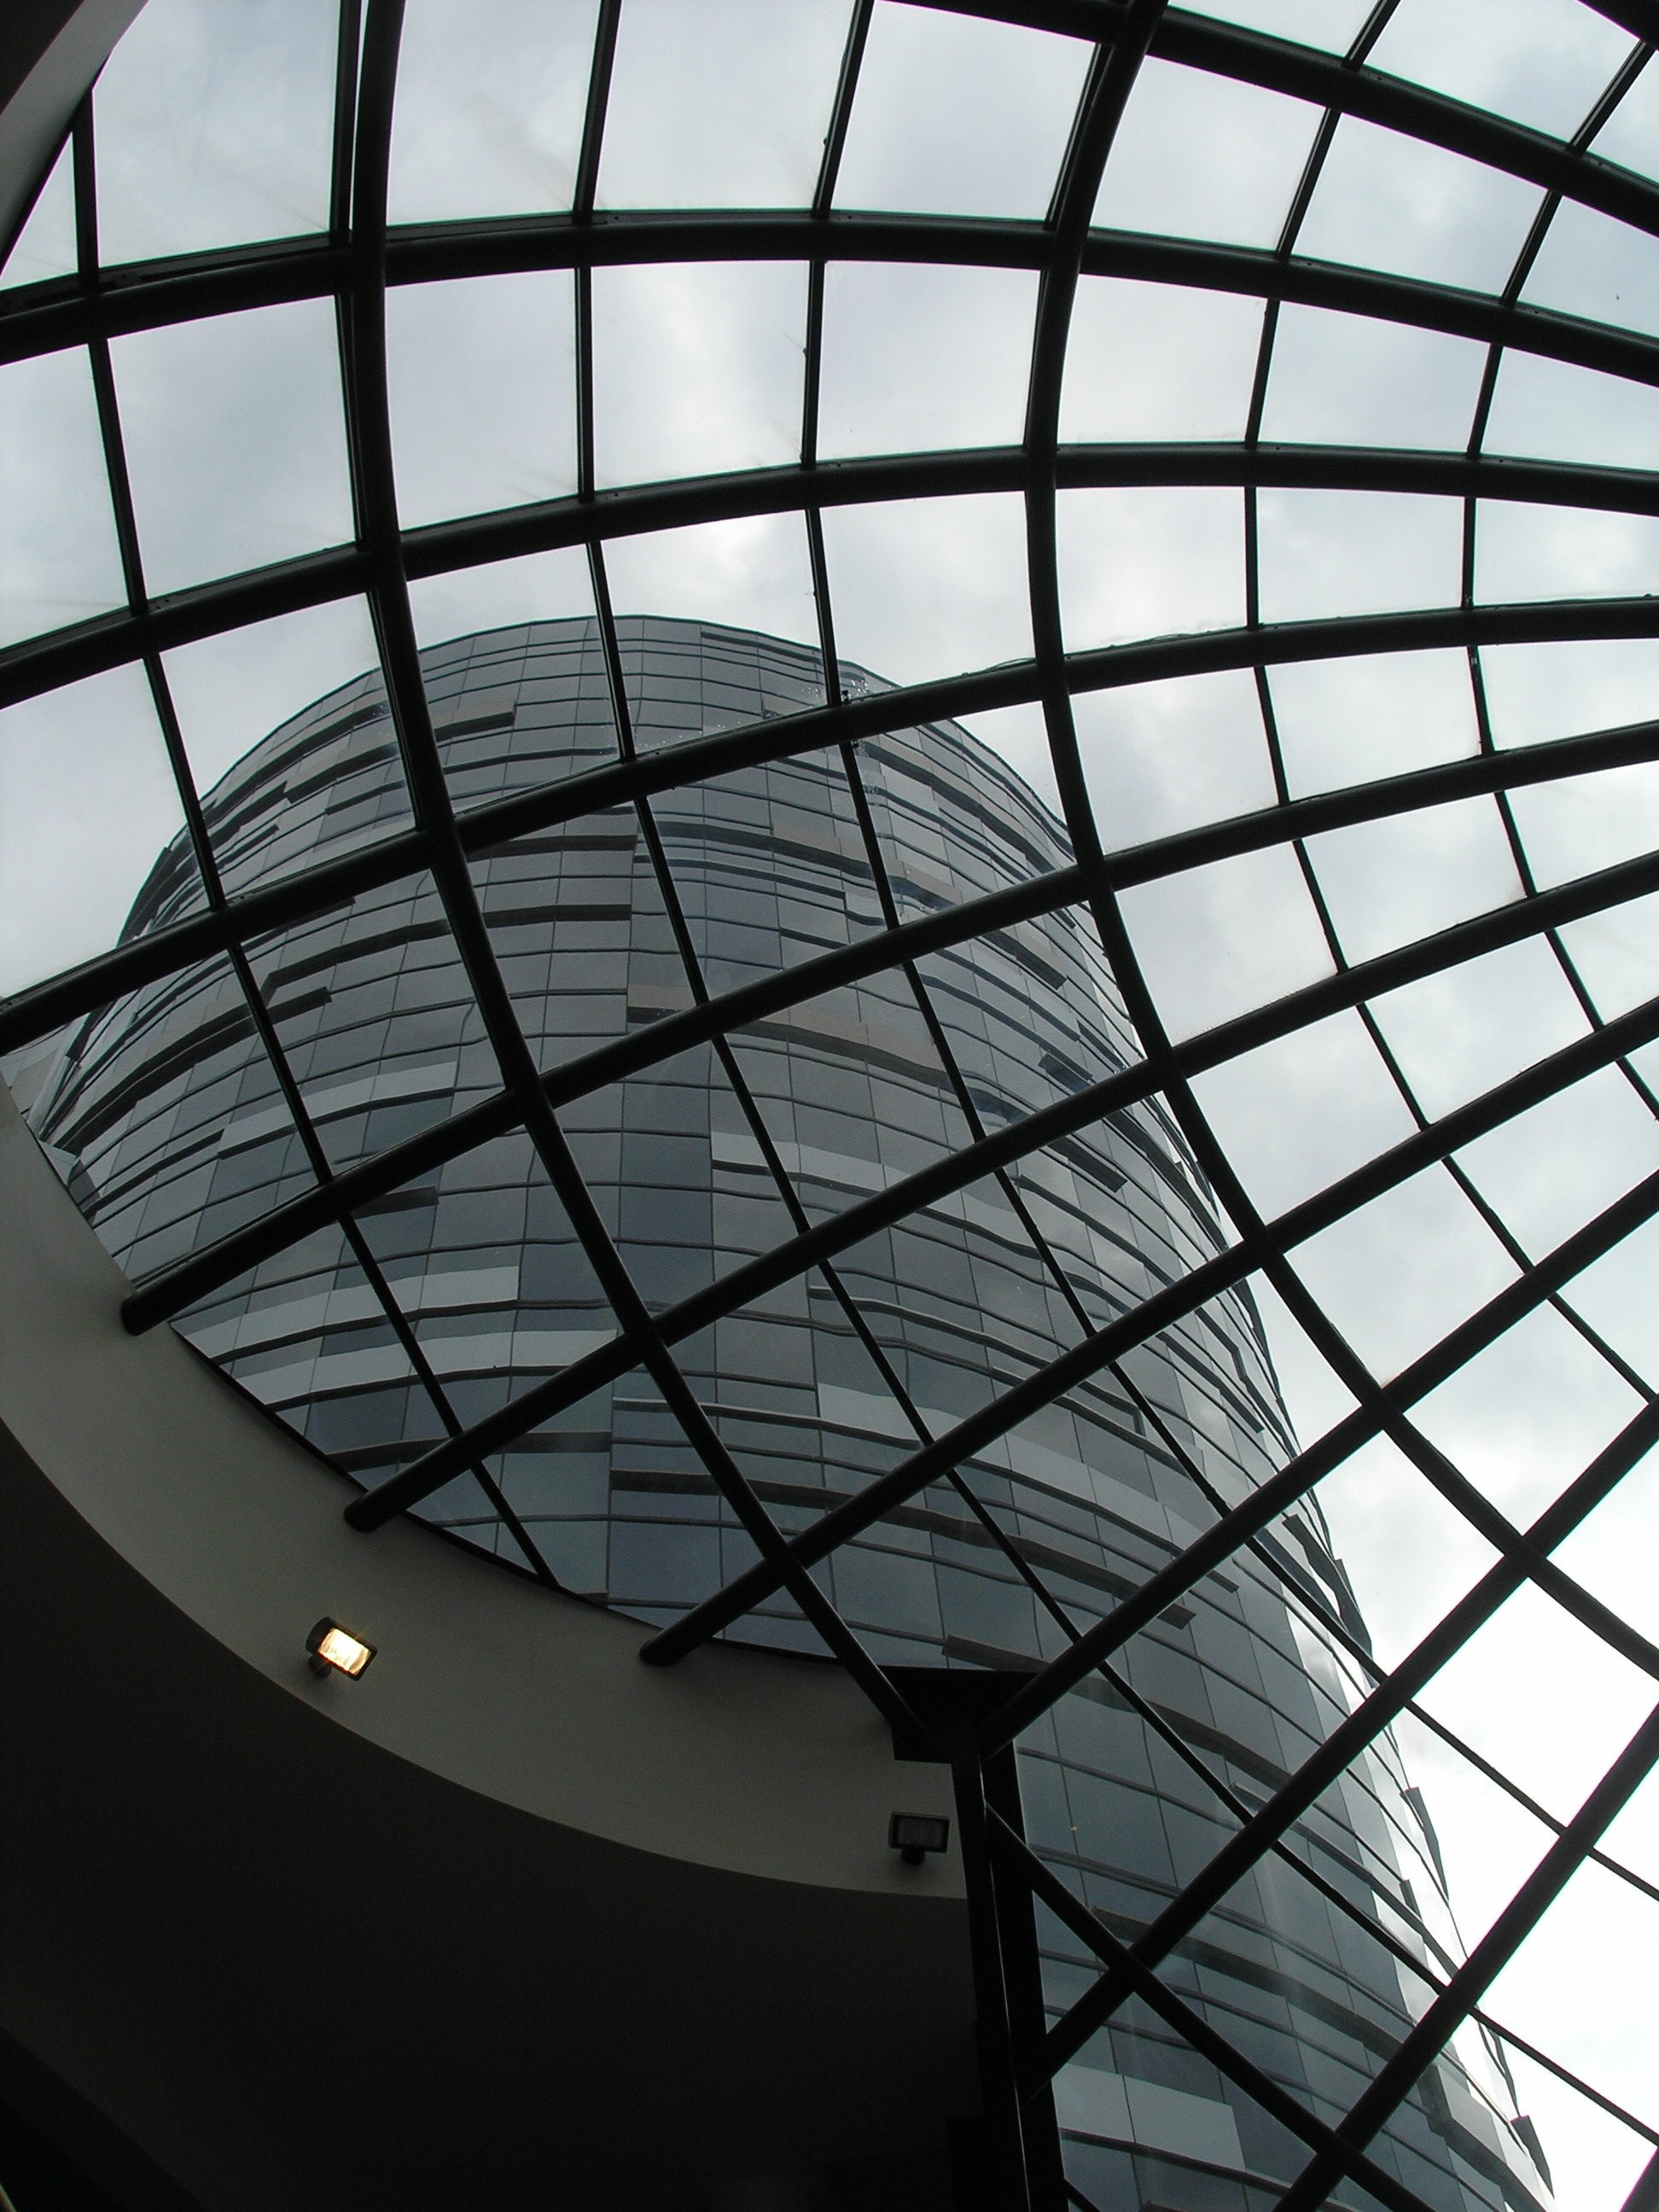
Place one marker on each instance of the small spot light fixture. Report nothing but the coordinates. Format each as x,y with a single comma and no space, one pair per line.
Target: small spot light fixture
335,1651
913,1835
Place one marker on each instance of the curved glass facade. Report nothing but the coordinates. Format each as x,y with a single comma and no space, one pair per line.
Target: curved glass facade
437,1300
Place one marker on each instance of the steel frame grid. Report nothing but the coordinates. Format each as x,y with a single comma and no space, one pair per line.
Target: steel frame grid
353,267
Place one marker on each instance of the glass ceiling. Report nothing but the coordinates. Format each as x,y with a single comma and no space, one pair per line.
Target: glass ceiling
1247,422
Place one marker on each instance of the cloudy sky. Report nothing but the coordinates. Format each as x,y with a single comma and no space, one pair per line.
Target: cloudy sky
213,128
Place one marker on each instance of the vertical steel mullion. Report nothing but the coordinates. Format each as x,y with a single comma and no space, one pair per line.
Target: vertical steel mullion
348,46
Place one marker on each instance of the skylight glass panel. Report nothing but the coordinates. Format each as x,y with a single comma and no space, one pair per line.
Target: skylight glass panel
1162,757
1616,1296
1154,362
1465,1030
722,105
1331,24
1555,410
1589,822
87,803
1538,692
1523,552
1202,157
956,115
929,586
1385,201
1616,953
1555,1167
535,587
889,327
235,441
1371,715
1413,1557
490,98
697,368
1388,883
1296,1115
1215,941
1542,63
481,378
1593,266
45,246
1325,553
1149,561
214,125
1629,136
751,571
1341,380
59,559
231,689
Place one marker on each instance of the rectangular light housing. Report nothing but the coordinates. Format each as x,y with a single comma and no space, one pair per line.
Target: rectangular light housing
335,1651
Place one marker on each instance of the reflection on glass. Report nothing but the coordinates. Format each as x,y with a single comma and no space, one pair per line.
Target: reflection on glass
45,245
235,441
1198,156
722,105
1392,203
1326,553
1355,381
481,380
1148,561
1157,361
959,116
60,560
928,586
887,328
488,114
696,366
214,125
86,802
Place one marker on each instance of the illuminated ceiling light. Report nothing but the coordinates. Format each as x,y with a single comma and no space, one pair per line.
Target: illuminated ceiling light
913,1835
335,1648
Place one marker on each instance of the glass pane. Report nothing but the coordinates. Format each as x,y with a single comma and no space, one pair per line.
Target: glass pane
1591,823
1459,1033
87,804
1299,1114
1385,201
1558,411
59,561
1401,1272
697,368
539,587
929,586
46,244
1537,692
890,331
1590,265
1201,157
1388,883
1155,362
1160,757
959,116
752,572
215,125
481,379
1325,553
491,95
1563,553
1538,61
1148,561
1616,954
1213,942
1630,134
235,441
1378,715
231,691
1556,1167
723,105
1352,380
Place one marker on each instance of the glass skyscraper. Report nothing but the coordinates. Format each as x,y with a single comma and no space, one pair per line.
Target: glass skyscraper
439,1301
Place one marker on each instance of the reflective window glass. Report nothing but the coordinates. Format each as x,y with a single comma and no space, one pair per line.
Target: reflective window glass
696,366
88,802
215,125
481,380
955,115
235,441
59,559
723,105
1198,156
891,328
490,98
